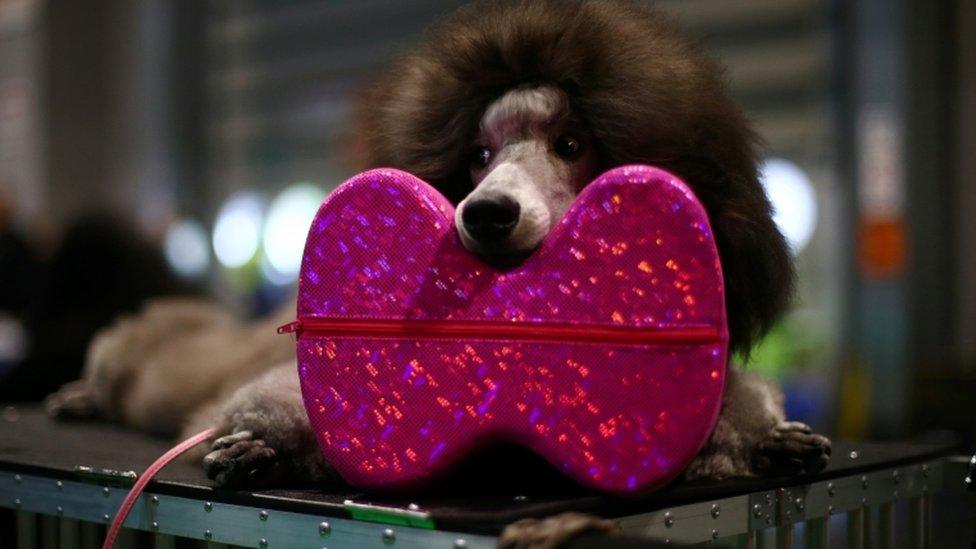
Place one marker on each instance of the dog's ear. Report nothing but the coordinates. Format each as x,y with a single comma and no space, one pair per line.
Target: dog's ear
412,120
756,261
758,272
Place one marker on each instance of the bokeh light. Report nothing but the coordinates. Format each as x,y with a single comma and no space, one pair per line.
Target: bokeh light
273,275
186,249
794,201
289,218
237,232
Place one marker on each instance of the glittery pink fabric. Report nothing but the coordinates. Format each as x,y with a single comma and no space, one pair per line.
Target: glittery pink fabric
635,250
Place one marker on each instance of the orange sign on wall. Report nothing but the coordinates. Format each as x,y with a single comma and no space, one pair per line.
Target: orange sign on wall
881,247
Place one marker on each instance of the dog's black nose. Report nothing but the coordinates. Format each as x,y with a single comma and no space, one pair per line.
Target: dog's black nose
490,219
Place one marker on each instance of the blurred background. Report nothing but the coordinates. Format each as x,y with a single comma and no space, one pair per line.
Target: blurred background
181,147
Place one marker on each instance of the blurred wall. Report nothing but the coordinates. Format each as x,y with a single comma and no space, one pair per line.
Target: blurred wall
942,206
964,96
109,109
22,180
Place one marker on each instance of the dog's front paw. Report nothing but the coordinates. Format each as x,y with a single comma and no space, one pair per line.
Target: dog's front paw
240,460
73,400
552,532
791,448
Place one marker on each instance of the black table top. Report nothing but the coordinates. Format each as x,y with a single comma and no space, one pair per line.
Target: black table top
32,443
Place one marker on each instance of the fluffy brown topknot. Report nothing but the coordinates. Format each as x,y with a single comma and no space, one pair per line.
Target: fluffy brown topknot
646,94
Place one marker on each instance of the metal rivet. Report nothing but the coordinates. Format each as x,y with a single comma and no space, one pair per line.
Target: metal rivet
799,504
769,498
864,501
864,481
17,479
853,454
106,492
263,515
830,509
667,541
460,544
106,518
769,520
925,470
154,500
325,528
830,489
714,534
389,536
668,519
894,476
716,511
521,498
17,502
207,534
60,485
155,525
757,510
208,506
413,507
894,495
60,510
263,542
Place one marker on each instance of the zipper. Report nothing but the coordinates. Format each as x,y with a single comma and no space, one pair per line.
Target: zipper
451,329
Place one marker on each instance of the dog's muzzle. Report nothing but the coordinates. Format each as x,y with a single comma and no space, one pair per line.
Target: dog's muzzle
490,220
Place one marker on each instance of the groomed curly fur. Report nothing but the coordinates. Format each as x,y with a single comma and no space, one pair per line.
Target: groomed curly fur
646,94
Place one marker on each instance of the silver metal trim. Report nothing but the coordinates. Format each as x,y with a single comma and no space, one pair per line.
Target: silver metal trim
692,523
228,523
755,516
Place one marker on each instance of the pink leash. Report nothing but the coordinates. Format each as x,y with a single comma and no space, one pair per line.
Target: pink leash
145,477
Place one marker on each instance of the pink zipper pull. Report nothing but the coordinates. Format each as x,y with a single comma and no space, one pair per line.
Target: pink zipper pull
291,327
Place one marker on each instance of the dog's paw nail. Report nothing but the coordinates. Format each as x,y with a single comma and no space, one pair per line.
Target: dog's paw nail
227,441
792,427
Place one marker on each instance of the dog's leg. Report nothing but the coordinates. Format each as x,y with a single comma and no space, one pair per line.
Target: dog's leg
552,532
752,436
118,354
264,437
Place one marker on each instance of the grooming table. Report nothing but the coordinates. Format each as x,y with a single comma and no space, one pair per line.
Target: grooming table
52,473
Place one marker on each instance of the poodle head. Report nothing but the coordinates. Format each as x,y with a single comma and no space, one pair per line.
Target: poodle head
510,107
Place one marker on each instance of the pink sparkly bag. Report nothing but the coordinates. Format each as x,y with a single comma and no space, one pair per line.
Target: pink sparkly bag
604,352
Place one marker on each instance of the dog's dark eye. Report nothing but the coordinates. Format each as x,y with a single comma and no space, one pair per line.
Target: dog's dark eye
481,157
568,147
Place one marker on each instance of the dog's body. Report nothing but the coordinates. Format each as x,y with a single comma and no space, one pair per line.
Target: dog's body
509,109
